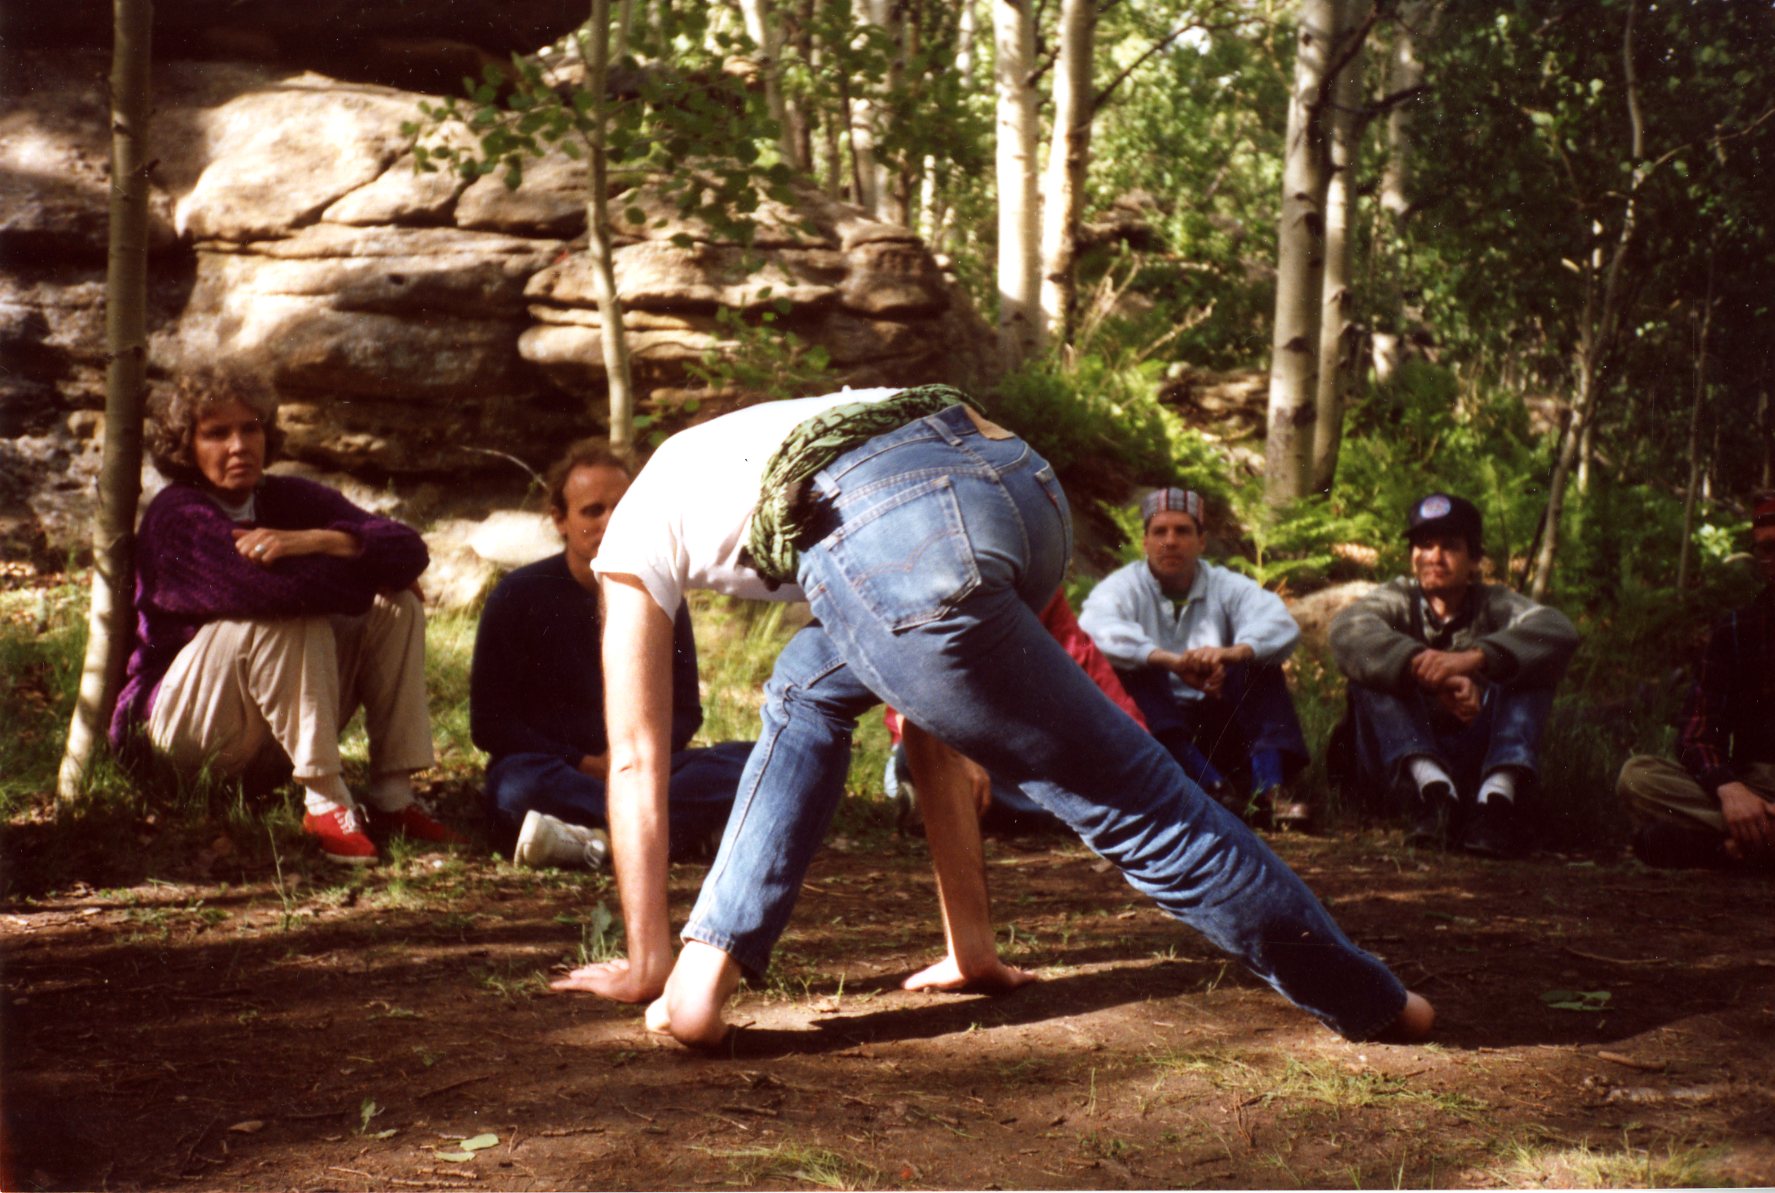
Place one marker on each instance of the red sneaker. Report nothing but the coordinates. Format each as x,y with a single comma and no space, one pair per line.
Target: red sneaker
341,836
416,822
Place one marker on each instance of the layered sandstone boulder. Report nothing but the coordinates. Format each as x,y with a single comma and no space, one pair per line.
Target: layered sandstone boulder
425,334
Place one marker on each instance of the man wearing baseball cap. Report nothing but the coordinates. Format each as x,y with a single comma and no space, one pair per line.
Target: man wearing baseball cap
1450,683
1200,649
1715,805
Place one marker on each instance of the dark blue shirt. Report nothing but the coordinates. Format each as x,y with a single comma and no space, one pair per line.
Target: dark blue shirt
537,686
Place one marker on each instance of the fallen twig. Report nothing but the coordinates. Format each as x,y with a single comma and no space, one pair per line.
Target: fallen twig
1615,960
452,1085
1644,1066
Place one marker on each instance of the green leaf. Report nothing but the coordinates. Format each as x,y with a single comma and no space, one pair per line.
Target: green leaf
635,215
480,1142
455,1157
1592,1001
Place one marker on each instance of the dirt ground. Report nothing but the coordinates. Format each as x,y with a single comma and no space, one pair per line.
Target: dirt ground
297,1030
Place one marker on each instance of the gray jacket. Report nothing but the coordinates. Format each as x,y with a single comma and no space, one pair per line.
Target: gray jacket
1523,642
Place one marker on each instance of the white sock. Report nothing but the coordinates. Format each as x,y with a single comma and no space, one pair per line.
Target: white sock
1426,772
1500,784
326,793
390,792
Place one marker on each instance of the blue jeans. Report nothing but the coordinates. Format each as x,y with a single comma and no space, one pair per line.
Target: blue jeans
1390,729
940,548
1252,723
698,797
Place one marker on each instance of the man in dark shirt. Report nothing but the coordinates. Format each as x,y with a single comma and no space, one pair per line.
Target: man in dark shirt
1451,680
536,693
1716,804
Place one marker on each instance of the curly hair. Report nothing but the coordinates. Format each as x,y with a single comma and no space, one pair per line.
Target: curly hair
586,453
175,411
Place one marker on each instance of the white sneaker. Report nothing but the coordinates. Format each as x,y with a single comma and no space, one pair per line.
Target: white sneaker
544,842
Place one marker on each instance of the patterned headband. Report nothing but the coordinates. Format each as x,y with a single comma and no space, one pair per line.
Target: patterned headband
1184,501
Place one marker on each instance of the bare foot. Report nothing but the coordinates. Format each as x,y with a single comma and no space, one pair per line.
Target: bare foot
1414,1022
947,975
700,985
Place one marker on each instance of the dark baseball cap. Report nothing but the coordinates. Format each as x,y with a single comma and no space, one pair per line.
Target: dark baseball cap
1444,513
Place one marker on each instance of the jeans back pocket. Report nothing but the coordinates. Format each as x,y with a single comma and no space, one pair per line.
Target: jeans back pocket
907,557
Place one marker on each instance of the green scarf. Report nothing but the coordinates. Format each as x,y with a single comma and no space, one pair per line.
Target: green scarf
783,509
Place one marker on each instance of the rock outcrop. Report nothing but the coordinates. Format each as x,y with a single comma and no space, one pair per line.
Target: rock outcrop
421,331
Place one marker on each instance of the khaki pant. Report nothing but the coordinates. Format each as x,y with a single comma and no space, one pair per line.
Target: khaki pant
1657,790
241,688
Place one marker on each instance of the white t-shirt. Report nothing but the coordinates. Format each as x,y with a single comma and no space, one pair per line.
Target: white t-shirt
685,520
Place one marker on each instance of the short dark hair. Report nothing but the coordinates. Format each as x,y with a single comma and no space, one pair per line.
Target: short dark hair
175,410
587,453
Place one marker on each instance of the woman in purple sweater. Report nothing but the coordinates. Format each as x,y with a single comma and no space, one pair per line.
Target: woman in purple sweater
268,609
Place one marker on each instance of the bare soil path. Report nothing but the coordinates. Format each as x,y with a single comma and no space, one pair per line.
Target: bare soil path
303,1031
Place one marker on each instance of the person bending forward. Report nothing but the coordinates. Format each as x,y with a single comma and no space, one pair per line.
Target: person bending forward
925,540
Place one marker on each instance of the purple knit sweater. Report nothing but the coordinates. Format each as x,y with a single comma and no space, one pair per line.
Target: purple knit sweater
188,574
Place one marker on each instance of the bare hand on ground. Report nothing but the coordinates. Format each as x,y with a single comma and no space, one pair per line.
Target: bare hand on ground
609,979
947,975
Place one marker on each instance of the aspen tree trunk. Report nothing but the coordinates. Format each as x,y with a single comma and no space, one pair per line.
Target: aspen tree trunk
898,185
801,123
1405,71
766,35
596,49
1013,25
935,224
1340,336
126,345
1300,265
1069,156
625,22
869,177
830,158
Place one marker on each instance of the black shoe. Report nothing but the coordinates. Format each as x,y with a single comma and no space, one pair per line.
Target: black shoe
1435,811
1492,830
1672,847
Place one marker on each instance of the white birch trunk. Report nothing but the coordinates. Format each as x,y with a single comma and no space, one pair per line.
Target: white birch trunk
1013,24
1405,70
126,342
1300,263
1339,334
1069,156
869,175
767,37
618,384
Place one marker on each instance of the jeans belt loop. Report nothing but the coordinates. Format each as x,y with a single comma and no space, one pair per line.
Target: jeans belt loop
940,423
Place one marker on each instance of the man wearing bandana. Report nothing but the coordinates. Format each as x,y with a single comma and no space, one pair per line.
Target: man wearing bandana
1715,805
1200,649
1451,680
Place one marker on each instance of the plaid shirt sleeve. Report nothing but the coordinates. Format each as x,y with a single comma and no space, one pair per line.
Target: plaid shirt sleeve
1703,736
